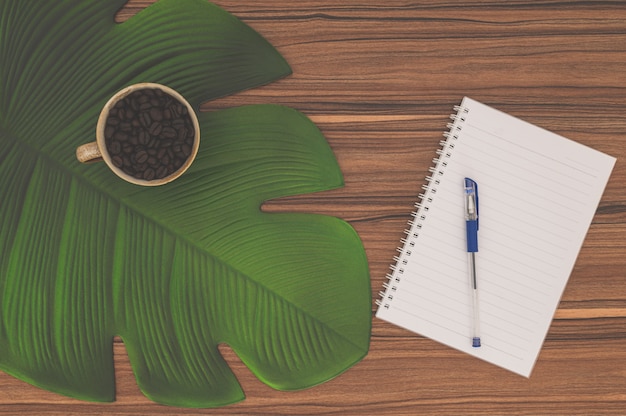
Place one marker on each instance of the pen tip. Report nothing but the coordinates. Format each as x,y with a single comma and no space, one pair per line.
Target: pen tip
476,342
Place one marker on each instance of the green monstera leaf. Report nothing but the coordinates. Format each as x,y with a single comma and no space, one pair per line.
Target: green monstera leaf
173,270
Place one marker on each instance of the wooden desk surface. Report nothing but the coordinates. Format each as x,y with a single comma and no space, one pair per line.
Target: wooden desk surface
380,78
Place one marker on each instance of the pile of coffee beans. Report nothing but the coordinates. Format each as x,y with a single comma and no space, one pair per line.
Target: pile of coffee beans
149,134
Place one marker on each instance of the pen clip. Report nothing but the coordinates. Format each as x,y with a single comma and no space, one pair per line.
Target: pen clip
471,201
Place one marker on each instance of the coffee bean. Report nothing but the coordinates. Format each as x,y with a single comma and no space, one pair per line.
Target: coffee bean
143,137
141,156
113,121
155,129
108,132
149,174
182,133
156,114
161,172
169,133
120,135
117,161
164,143
145,119
115,147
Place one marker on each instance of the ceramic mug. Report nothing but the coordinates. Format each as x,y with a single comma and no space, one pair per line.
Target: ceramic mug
147,134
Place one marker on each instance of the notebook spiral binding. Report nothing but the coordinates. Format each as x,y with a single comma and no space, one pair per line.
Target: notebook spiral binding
394,277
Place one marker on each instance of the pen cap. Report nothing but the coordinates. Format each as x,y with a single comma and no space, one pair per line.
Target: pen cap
471,200
471,214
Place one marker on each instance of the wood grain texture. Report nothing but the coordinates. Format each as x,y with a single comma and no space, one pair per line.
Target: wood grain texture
380,79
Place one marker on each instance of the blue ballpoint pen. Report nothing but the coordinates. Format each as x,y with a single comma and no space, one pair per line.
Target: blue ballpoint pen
471,229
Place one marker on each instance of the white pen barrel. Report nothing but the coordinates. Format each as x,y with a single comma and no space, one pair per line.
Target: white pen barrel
475,310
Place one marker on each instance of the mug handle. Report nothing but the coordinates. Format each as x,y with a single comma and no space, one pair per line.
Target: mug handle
88,152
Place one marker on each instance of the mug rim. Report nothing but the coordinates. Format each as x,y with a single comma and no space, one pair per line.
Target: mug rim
101,141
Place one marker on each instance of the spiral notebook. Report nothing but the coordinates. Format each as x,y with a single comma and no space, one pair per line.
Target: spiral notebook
538,193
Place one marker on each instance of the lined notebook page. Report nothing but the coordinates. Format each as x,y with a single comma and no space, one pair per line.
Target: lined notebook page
538,192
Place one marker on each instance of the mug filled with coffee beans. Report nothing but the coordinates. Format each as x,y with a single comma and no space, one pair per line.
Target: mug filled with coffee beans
147,133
